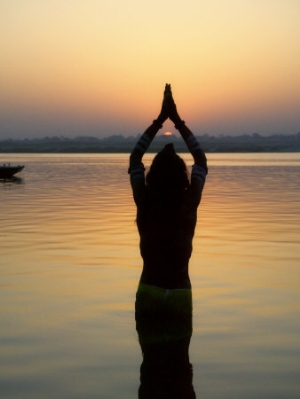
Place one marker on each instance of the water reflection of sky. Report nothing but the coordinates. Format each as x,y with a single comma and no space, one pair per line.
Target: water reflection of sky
254,159
70,264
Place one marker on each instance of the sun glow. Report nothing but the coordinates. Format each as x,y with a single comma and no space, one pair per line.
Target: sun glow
168,134
238,69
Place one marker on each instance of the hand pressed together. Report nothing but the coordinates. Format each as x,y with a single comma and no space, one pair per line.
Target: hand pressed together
168,109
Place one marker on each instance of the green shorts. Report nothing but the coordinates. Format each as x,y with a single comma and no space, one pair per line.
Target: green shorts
163,314
156,300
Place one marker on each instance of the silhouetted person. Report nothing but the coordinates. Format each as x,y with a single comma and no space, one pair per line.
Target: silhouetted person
166,214
167,203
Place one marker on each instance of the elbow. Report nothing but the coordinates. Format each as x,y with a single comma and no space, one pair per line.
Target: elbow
135,157
200,159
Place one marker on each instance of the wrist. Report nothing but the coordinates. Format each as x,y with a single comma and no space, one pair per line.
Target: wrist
160,119
158,123
178,123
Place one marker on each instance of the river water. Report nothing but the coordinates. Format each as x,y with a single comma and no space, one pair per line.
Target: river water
70,264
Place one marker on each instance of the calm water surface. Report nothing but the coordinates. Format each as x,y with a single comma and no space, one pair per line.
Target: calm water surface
70,264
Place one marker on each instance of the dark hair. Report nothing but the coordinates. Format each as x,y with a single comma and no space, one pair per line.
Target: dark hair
168,175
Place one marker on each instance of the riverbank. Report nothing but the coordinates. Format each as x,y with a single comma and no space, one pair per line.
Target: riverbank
121,144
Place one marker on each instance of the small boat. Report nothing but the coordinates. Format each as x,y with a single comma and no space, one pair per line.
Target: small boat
8,171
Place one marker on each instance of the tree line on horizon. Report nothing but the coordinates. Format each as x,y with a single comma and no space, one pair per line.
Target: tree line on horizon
117,143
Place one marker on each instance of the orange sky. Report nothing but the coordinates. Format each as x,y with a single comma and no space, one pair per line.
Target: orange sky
98,68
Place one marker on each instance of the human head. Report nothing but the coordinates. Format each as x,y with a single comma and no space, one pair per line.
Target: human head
168,172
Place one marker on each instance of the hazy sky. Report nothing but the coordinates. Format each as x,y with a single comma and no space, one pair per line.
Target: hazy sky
98,67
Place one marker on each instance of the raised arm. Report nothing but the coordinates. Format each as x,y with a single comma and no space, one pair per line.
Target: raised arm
189,138
136,167
199,169
149,134
143,143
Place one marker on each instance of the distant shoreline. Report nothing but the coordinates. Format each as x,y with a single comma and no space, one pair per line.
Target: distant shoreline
150,152
119,144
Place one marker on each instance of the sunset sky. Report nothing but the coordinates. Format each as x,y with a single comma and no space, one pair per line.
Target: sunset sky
98,67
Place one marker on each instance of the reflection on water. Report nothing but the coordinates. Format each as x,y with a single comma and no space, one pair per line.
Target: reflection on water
12,180
164,325
70,265
166,371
